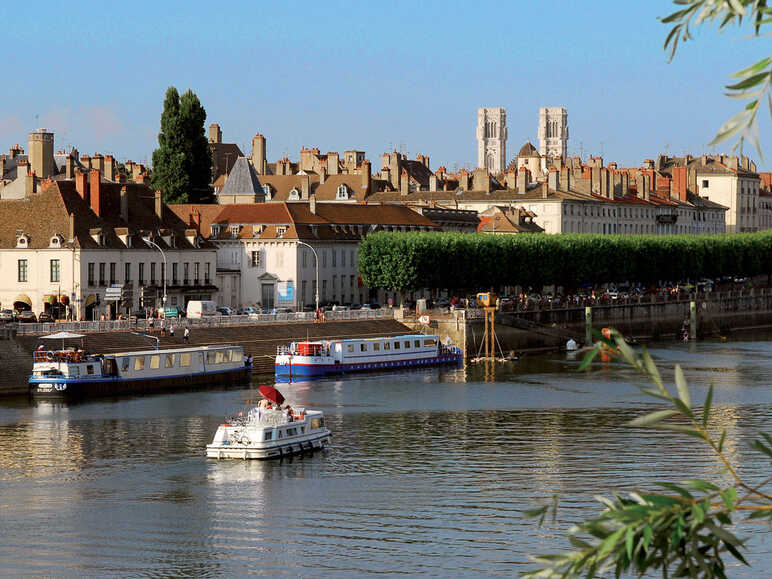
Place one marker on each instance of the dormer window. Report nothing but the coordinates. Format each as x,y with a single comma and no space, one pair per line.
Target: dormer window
342,192
280,231
294,195
22,241
235,229
97,236
267,191
215,229
56,241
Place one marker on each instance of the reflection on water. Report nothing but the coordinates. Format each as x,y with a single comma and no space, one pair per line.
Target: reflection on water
429,470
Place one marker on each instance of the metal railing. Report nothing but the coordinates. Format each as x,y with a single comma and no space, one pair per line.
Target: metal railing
218,321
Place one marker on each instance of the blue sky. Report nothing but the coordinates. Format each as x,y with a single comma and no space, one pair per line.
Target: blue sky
369,75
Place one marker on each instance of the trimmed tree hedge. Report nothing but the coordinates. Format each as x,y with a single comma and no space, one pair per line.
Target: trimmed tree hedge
411,261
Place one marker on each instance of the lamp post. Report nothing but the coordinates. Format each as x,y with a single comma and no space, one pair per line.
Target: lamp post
163,274
316,261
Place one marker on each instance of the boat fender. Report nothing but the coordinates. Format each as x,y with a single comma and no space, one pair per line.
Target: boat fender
49,355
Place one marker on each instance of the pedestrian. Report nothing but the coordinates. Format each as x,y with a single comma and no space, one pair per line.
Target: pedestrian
171,329
186,335
150,324
163,328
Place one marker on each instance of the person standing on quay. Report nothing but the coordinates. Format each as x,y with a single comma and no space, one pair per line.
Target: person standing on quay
186,335
163,328
171,329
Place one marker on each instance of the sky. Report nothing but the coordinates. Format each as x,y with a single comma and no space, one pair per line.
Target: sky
372,76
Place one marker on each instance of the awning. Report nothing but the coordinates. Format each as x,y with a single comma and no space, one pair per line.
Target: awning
62,336
90,300
23,298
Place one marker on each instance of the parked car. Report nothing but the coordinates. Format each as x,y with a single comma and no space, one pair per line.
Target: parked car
356,306
224,310
6,316
138,315
26,317
172,312
248,310
45,318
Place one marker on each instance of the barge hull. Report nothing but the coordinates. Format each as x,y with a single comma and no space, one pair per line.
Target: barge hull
305,370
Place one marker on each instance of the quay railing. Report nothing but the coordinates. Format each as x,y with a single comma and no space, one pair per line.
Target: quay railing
218,321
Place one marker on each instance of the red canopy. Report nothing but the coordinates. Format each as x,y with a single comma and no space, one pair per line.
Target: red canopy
271,394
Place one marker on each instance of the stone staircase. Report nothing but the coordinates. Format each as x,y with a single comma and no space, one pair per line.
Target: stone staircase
260,341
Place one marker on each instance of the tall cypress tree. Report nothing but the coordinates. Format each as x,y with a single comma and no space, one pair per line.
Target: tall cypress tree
182,164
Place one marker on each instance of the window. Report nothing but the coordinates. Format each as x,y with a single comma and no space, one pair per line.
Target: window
342,192
127,272
350,347
152,273
704,183
185,359
55,270
210,357
255,259
363,347
185,272
155,362
169,361
417,343
175,273
125,364
207,272
324,257
430,342
112,273
90,369
91,273
294,195
102,280
268,434
334,258
376,347
22,270
305,257
407,344
195,271
387,346
141,273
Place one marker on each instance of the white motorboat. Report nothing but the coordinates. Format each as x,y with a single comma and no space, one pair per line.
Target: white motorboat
263,433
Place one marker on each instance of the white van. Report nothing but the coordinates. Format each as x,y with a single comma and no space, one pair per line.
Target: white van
201,309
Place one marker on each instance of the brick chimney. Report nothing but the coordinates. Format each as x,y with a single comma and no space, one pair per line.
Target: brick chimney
109,168
523,178
85,160
305,186
124,205
98,162
545,190
69,167
81,186
367,177
553,179
333,163
312,204
95,188
195,220
144,179
404,183
464,180
679,183
29,183
158,205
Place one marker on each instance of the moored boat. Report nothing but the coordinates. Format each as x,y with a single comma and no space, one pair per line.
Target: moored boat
270,431
317,358
72,373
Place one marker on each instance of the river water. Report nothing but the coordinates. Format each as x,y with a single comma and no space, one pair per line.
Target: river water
428,473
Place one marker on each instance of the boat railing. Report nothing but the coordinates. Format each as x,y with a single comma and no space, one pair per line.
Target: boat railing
263,417
70,356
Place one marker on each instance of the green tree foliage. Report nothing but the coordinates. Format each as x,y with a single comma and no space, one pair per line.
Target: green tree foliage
684,529
752,83
182,164
410,261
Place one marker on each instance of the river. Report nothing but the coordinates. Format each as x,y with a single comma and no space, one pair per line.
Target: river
428,473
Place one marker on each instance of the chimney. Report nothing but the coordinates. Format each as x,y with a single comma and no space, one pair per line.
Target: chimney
733,162
158,205
481,180
29,183
312,204
109,167
85,160
259,154
386,174
215,134
544,191
679,183
69,167
464,180
71,228
195,220
333,163
404,183
81,186
604,184
120,177
595,178
367,177
305,186
144,179
124,205
95,188
432,182
306,159
98,162
553,179
565,178
523,178
136,171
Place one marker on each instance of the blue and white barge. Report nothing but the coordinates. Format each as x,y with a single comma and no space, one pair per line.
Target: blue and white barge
318,358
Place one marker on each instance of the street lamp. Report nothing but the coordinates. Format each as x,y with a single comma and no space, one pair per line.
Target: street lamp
163,274
316,261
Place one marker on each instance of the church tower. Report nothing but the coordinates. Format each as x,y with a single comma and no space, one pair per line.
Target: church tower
492,139
553,134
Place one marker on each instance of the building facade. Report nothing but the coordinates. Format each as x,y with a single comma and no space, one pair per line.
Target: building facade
492,139
553,134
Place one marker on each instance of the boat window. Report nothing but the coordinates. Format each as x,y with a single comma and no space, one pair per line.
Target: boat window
219,357
430,342
169,362
210,357
124,364
407,344
316,422
90,369
387,345
292,431
139,363
155,362
416,343
302,429
281,434
185,359
237,355
376,347
350,347
363,347
396,345
268,435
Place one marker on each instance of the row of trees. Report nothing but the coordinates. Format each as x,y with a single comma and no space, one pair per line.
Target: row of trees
410,261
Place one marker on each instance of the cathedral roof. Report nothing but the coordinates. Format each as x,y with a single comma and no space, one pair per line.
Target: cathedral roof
528,150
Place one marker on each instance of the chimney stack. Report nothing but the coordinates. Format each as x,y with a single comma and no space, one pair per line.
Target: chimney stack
109,168
215,134
367,177
404,183
553,179
158,205
312,204
124,205
98,162
29,183
195,220
95,189
305,186
85,160
259,154
81,186
69,167
333,163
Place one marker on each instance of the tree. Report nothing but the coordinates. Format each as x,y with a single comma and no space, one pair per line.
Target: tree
684,531
754,82
182,164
